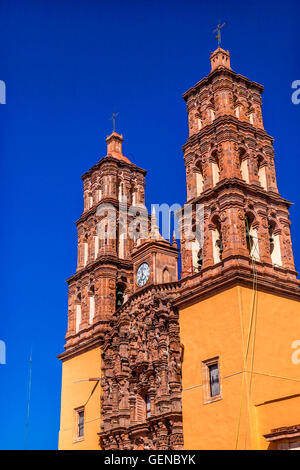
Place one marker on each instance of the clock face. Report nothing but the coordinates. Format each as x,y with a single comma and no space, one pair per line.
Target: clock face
142,274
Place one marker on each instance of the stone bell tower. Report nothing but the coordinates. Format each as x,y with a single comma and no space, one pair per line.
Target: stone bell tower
230,172
239,293
102,283
104,270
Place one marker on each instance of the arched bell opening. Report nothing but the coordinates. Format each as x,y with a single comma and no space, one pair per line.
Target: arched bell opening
252,236
274,243
91,295
78,311
120,294
199,178
243,160
166,275
261,171
215,167
217,240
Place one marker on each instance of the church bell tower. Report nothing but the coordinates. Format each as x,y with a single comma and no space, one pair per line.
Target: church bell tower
104,271
102,283
239,291
230,173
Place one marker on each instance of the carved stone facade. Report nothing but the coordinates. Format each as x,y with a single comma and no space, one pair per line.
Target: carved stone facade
141,381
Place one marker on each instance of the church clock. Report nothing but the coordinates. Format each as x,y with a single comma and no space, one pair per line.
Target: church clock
143,274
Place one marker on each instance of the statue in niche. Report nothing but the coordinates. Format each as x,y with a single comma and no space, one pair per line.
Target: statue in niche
173,369
123,387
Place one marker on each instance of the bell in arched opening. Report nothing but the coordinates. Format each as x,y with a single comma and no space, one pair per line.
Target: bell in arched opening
249,238
200,259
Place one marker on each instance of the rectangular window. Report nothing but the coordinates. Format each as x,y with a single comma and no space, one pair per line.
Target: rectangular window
148,407
294,445
140,409
288,444
211,380
79,424
214,382
143,408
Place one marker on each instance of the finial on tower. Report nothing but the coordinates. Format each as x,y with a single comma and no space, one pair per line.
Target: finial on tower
114,142
113,118
114,146
218,31
174,241
155,233
220,58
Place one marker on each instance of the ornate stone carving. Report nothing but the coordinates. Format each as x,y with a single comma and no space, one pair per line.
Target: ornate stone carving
141,374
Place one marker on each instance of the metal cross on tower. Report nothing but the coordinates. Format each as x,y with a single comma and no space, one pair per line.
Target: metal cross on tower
218,31
114,120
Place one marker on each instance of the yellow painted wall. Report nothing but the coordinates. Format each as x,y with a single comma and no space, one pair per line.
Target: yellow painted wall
75,394
219,326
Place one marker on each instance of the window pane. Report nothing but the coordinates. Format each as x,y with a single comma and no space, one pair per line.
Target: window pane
295,445
148,407
80,423
214,380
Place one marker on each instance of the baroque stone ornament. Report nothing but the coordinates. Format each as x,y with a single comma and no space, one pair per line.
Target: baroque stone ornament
142,369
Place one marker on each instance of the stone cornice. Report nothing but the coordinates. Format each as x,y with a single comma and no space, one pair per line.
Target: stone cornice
82,347
105,259
114,201
158,244
219,72
110,159
142,426
285,432
252,190
234,277
93,210
217,127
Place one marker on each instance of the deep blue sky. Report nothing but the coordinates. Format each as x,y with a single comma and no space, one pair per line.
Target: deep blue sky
67,66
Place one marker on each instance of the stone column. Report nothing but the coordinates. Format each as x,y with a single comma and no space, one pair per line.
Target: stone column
233,232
